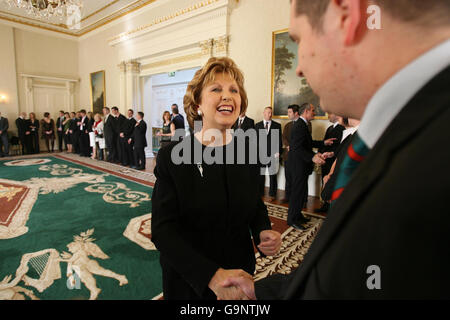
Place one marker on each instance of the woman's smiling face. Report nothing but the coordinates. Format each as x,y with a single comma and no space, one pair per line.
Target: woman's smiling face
220,102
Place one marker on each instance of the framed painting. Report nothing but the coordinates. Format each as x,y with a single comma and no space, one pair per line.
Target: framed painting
287,88
98,93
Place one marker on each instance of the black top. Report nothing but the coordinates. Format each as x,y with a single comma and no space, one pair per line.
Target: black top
166,130
248,123
48,126
203,218
138,135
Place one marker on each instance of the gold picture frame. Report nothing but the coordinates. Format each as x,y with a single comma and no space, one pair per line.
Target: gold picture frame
98,91
286,87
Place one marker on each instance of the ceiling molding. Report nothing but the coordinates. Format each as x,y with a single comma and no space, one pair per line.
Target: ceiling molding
62,29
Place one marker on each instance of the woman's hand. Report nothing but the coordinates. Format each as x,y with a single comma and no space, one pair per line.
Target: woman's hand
230,293
270,242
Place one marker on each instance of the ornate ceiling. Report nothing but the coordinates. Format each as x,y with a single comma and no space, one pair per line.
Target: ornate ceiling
95,13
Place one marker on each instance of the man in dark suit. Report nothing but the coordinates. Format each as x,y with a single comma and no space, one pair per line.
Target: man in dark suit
119,122
60,129
139,141
244,123
272,132
21,124
4,143
301,163
108,132
333,132
177,119
84,128
293,116
125,134
387,232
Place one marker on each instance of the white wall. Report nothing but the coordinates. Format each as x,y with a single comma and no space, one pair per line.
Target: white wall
8,83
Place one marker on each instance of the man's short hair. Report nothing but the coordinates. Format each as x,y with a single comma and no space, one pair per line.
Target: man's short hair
61,111
115,108
141,114
304,107
106,108
132,111
175,105
295,108
83,111
426,13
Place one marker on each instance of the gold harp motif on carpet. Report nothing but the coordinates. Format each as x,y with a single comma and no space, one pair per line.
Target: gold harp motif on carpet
46,264
8,192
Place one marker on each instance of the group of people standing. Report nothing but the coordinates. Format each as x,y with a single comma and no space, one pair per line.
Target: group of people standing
113,137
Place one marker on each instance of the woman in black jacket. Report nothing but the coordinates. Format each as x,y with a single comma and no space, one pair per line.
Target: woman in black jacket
33,128
205,214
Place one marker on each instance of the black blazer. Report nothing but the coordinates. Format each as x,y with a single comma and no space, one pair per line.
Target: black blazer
108,127
202,223
119,124
138,136
21,125
4,125
275,129
178,121
300,149
248,123
393,214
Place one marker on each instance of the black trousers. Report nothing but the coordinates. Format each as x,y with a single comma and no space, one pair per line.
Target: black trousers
125,152
273,184
76,142
84,145
299,193
60,140
139,157
287,176
33,142
24,142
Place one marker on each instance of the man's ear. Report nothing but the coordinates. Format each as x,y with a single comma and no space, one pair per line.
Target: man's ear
353,15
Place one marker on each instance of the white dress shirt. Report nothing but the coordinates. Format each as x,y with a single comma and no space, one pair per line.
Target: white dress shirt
395,94
268,124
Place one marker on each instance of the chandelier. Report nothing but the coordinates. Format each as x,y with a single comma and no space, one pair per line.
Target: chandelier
47,9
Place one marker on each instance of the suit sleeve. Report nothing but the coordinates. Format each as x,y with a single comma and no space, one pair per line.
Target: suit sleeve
298,139
167,232
273,287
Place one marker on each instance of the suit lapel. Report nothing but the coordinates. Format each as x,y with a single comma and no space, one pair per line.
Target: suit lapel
413,118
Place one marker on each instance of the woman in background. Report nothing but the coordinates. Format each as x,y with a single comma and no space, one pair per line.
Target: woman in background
168,130
33,128
48,131
99,139
66,129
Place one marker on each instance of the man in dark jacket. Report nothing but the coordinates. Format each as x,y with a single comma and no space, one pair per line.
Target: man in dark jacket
108,132
21,124
272,130
139,141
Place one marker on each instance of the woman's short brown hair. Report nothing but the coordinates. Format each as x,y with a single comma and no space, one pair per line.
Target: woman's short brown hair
206,75
164,114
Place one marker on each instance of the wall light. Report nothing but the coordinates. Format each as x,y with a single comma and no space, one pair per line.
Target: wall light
2,98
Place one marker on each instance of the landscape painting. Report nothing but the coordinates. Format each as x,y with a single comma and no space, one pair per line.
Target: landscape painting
287,88
98,91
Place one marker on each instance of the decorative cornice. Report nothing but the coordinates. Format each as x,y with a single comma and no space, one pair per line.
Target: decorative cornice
61,28
173,61
159,20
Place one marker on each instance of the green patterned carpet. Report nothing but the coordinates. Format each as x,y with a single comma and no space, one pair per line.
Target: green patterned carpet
62,229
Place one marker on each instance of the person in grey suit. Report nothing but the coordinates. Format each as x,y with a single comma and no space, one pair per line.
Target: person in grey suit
4,144
386,235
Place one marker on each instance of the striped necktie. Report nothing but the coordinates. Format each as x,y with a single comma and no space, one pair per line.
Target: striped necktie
356,153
